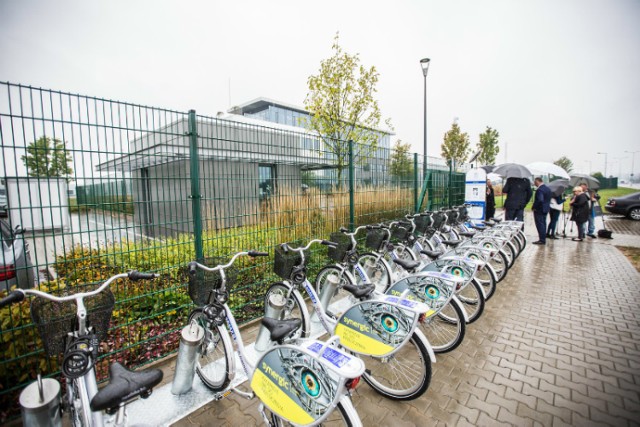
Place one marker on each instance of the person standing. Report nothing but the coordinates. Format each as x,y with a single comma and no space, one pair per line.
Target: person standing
579,211
518,191
541,204
490,202
591,195
555,207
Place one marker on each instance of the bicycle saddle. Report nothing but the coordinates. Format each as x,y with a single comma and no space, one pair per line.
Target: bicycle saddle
452,242
359,291
280,328
125,385
431,254
407,264
466,233
496,219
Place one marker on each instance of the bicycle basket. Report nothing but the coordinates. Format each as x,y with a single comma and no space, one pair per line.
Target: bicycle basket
284,262
55,320
375,239
344,245
203,282
422,223
399,233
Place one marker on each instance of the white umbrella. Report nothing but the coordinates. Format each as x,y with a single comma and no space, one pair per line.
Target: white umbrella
545,168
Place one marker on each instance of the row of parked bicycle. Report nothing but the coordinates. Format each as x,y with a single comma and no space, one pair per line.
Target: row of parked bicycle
386,311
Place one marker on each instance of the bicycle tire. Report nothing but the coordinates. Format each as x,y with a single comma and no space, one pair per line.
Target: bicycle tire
500,265
77,412
487,278
511,253
403,253
295,307
213,363
339,294
446,329
405,375
472,298
381,276
338,417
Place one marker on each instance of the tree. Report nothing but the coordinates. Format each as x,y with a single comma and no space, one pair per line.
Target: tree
597,175
401,166
47,157
564,163
488,147
342,107
455,148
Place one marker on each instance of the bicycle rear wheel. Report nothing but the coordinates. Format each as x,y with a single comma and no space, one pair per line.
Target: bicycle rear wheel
403,376
214,364
446,329
472,298
338,417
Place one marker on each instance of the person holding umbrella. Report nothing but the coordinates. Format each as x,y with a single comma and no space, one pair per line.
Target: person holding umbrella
518,191
541,209
579,211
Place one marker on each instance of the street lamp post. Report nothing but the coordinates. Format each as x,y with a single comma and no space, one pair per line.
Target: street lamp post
605,163
424,63
633,158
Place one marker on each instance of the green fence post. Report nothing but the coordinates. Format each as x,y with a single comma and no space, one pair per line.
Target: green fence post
194,168
351,188
415,182
449,186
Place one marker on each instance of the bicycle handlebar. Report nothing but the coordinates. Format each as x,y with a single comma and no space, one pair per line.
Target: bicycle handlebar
287,248
193,265
132,275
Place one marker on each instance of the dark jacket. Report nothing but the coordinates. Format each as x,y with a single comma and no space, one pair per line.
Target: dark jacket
542,200
580,208
491,198
518,191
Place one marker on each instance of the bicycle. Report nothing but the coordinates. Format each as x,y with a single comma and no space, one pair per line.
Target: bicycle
78,338
381,329
298,381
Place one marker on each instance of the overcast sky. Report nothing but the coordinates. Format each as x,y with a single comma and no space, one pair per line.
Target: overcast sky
554,77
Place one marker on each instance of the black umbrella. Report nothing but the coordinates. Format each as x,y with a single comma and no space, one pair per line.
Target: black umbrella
558,186
488,168
580,178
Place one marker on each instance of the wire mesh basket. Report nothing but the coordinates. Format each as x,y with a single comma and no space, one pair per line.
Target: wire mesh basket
422,223
375,239
203,282
284,262
438,220
55,320
399,233
344,245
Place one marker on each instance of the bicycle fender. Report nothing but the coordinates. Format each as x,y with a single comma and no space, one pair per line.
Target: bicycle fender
427,344
456,301
352,414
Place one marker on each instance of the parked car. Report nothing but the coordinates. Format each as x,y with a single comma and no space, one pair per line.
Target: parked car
628,205
15,260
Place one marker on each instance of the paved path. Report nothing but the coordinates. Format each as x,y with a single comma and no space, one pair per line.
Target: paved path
557,345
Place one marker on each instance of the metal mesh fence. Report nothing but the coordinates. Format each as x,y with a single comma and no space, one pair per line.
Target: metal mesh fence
101,187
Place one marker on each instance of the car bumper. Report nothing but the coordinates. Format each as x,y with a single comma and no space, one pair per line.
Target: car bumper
615,210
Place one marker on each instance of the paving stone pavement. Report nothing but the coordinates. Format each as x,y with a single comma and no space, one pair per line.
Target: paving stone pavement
557,345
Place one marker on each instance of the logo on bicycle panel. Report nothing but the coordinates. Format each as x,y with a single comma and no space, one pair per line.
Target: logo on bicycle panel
374,328
294,385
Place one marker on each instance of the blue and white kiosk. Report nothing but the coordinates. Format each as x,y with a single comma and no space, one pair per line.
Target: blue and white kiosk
475,193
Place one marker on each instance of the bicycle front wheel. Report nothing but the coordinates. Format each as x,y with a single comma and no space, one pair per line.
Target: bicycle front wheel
214,363
79,411
378,272
338,417
487,278
472,298
445,330
294,307
403,376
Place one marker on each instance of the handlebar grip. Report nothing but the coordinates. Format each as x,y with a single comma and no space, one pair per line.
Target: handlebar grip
373,227
344,230
192,268
13,297
257,253
329,243
136,275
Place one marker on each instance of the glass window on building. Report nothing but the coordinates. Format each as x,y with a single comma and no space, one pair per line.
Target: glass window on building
266,180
